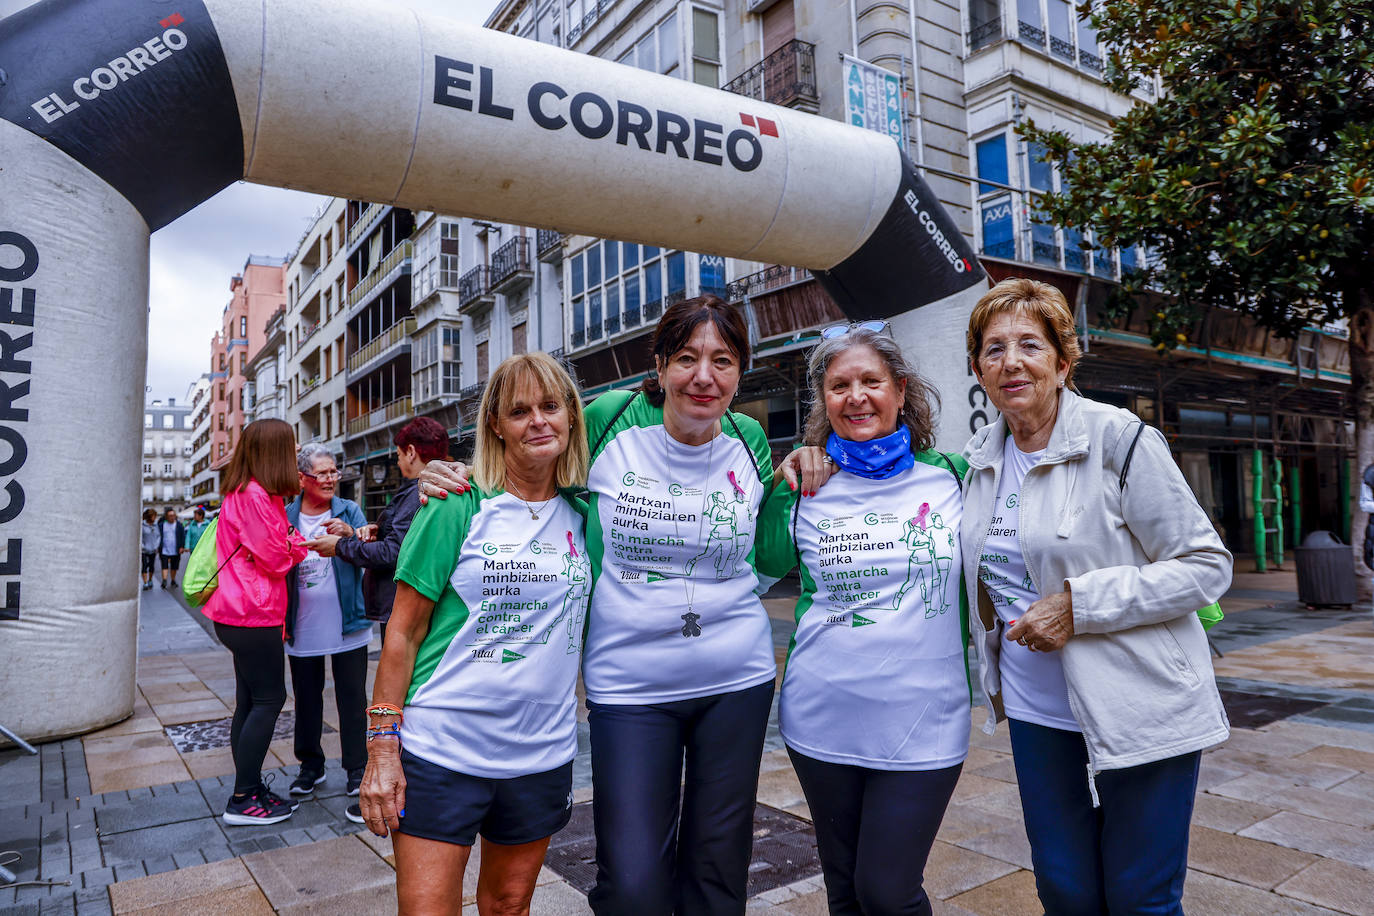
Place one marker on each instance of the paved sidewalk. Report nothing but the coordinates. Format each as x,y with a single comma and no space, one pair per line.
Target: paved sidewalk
128,816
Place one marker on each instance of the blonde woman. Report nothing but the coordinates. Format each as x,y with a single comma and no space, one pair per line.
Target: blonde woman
473,724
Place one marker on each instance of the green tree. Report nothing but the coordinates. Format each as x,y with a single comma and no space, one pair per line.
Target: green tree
1251,179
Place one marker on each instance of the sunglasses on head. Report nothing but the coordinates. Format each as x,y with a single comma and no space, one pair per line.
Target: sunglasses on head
876,325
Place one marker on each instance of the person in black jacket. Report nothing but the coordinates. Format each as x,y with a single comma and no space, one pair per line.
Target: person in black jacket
375,548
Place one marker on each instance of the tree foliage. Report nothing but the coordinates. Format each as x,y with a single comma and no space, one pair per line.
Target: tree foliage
1251,180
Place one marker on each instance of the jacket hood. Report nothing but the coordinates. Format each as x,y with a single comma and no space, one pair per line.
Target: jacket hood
1068,439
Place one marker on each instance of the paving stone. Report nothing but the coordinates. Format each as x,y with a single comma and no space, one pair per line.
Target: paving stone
381,845
97,878
21,909
64,905
964,821
216,853
1342,757
1002,769
1228,814
1336,885
1008,844
218,889
1278,792
1208,895
780,789
1325,734
334,876
1300,772
93,902
1013,895
128,872
168,808
243,847
159,842
1249,861
158,866
951,870
1310,834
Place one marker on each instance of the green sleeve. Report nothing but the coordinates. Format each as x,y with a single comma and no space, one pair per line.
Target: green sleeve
429,553
599,414
775,553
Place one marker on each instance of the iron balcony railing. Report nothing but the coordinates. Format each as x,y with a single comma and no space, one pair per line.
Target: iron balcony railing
549,244
1089,61
1031,34
305,334
785,77
396,334
580,28
980,36
1061,49
307,386
398,256
509,261
766,280
474,285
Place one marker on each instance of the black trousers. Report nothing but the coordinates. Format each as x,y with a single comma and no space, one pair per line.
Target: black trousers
148,563
648,862
874,831
259,694
350,698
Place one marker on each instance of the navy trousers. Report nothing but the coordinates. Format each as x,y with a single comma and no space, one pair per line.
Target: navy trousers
1128,856
874,831
650,862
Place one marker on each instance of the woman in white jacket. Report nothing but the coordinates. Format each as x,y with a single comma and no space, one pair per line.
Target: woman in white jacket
1086,582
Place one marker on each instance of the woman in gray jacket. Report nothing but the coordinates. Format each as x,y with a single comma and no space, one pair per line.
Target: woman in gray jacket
1086,581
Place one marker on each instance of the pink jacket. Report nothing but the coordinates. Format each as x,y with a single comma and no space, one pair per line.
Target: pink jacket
252,585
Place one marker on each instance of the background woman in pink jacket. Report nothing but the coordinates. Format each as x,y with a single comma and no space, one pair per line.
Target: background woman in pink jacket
249,607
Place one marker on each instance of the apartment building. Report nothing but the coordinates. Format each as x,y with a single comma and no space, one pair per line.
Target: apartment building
168,433
204,480
256,294
264,394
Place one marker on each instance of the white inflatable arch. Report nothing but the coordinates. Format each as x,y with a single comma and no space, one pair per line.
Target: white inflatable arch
117,116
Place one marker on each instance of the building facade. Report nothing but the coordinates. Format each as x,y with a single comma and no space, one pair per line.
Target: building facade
168,434
204,480
264,385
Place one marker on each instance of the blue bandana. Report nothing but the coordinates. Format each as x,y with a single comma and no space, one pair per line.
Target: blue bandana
876,459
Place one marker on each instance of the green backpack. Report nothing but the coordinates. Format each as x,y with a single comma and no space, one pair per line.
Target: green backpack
201,577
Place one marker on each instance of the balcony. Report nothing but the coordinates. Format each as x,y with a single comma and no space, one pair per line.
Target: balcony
1030,34
273,325
549,244
305,333
306,282
980,36
770,279
580,28
382,345
398,409
474,290
785,77
397,260
364,222
510,266
307,386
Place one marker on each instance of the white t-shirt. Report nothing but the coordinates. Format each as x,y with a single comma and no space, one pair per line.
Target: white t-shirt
1033,686
319,619
675,614
876,675
169,537
493,691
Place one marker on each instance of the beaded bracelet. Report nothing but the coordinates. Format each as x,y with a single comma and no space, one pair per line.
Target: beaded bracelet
385,709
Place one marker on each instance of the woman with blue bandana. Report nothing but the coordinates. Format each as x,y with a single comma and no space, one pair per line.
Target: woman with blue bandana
875,698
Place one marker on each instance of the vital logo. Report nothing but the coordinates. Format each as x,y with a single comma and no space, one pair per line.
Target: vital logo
861,621
508,656
594,117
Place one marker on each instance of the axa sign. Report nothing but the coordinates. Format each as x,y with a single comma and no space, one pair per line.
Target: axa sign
463,85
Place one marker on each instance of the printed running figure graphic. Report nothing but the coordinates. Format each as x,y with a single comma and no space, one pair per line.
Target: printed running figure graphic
578,571
942,545
723,542
921,547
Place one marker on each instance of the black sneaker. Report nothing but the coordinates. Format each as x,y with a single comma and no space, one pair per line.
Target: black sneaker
306,781
354,813
260,807
355,783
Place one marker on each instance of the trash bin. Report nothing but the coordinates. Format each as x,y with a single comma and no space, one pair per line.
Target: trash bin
1326,570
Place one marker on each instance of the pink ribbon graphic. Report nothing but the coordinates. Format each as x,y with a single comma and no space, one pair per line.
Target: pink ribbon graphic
570,545
735,483
919,521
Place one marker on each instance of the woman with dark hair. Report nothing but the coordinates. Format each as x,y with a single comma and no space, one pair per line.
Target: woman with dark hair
875,698
249,606
678,660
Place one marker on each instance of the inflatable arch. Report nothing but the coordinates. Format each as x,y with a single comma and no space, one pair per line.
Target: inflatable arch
117,116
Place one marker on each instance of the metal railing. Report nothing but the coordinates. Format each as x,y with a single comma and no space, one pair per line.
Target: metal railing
980,36
307,386
596,12
548,243
785,77
579,337
398,256
474,285
1061,49
766,280
510,259
612,324
309,332
396,334
1031,34
385,414
1089,61
653,309
363,222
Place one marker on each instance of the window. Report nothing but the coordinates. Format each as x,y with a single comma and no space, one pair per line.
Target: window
166,469
667,44
984,23
169,491
677,272
147,421
221,363
243,326
449,362
187,422
705,48
221,450
148,494
658,50
482,361
220,421
243,363
995,204
517,338
147,468
147,446
168,420
711,273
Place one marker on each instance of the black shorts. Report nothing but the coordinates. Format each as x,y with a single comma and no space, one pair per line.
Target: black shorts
171,561
454,807
149,563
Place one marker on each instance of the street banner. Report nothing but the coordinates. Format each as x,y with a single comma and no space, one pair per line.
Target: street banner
873,98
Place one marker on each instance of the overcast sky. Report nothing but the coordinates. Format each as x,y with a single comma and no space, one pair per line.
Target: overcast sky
193,258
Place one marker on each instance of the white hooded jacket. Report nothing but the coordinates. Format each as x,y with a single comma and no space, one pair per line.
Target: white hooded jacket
1138,561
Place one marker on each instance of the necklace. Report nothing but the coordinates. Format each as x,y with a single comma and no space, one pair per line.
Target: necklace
691,620
534,513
